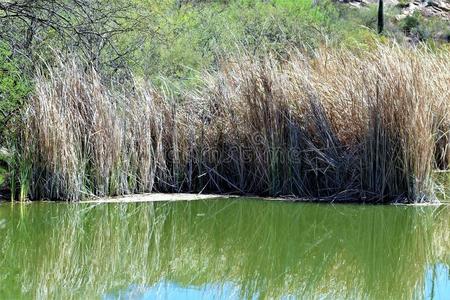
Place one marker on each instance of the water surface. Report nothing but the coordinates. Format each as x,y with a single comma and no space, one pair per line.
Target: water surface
223,249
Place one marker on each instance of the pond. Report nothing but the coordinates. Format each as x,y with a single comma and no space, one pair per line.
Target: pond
223,249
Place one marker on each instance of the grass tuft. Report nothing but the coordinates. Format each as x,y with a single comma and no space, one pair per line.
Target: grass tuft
337,126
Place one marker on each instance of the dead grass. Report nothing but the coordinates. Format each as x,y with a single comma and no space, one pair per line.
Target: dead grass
337,126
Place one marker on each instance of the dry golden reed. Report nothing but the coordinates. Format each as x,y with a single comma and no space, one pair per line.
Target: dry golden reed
334,126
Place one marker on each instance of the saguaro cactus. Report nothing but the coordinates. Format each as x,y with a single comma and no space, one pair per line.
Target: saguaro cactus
380,16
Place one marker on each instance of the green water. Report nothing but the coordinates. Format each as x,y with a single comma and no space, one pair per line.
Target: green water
223,249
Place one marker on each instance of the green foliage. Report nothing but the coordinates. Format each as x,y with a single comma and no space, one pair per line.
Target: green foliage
434,29
190,38
430,29
185,40
409,23
2,176
4,159
402,4
171,42
14,89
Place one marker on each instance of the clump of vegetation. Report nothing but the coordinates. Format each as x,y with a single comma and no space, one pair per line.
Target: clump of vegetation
409,23
2,176
339,126
14,89
118,134
3,170
402,4
425,29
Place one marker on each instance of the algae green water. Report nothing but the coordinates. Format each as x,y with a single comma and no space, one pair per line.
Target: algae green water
223,249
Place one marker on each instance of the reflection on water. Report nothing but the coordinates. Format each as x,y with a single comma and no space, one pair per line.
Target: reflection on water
224,249
174,291
437,282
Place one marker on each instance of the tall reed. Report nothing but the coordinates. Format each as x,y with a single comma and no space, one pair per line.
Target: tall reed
86,139
337,126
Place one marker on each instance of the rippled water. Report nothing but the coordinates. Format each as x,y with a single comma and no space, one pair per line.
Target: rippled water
223,249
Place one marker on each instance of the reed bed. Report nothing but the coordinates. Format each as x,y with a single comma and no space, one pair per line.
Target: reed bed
332,126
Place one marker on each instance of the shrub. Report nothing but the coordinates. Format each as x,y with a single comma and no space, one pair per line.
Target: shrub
409,23
14,89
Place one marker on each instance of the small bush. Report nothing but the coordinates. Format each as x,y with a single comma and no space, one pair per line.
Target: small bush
409,23
14,89
403,3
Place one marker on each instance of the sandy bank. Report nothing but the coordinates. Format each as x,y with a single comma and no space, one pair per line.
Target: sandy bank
155,197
